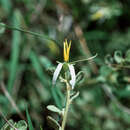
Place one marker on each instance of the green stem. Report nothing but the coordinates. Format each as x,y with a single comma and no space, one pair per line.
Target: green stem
66,108
90,58
26,31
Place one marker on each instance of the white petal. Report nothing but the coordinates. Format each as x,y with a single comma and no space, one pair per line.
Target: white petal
73,76
56,73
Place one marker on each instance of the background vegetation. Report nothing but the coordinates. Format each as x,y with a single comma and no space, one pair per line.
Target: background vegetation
26,61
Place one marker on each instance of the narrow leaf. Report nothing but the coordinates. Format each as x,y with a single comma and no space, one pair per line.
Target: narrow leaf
16,39
29,120
53,123
45,80
2,28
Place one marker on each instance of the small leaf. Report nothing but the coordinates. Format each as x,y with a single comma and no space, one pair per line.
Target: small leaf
56,73
74,96
7,126
21,125
54,109
109,59
118,57
2,28
53,123
127,57
73,76
80,76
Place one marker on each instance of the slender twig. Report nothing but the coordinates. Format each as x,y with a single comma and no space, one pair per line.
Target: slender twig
83,43
67,106
120,66
84,59
26,31
3,88
114,99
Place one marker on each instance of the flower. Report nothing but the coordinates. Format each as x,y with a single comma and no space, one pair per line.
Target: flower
69,66
66,50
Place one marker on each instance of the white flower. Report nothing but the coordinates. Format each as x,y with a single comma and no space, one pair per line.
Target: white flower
56,73
72,73
73,76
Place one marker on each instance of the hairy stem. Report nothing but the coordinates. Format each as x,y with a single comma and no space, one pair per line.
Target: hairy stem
66,108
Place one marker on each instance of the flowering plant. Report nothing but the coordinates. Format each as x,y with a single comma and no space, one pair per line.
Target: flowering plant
70,84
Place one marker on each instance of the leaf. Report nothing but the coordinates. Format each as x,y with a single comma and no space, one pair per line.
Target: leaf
53,123
109,59
21,125
56,73
29,120
15,51
127,57
45,80
118,57
2,28
54,109
7,126
80,76
74,96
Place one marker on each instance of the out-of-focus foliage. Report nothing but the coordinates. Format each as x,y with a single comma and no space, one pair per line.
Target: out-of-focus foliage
20,125
27,61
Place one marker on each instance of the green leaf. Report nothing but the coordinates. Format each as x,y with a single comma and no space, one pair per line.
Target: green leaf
109,59
74,96
2,28
54,109
53,123
16,39
7,126
118,57
21,125
80,77
29,120
127,57
45,80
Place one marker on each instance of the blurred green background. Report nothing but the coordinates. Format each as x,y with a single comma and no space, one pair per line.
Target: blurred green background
26,61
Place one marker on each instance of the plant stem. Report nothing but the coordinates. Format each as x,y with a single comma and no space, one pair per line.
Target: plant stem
66,108
45,37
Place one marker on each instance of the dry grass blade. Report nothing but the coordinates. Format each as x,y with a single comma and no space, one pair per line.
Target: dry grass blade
115,100
3,88
79,34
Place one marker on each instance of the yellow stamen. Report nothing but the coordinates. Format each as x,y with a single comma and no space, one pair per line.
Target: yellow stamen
66,50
